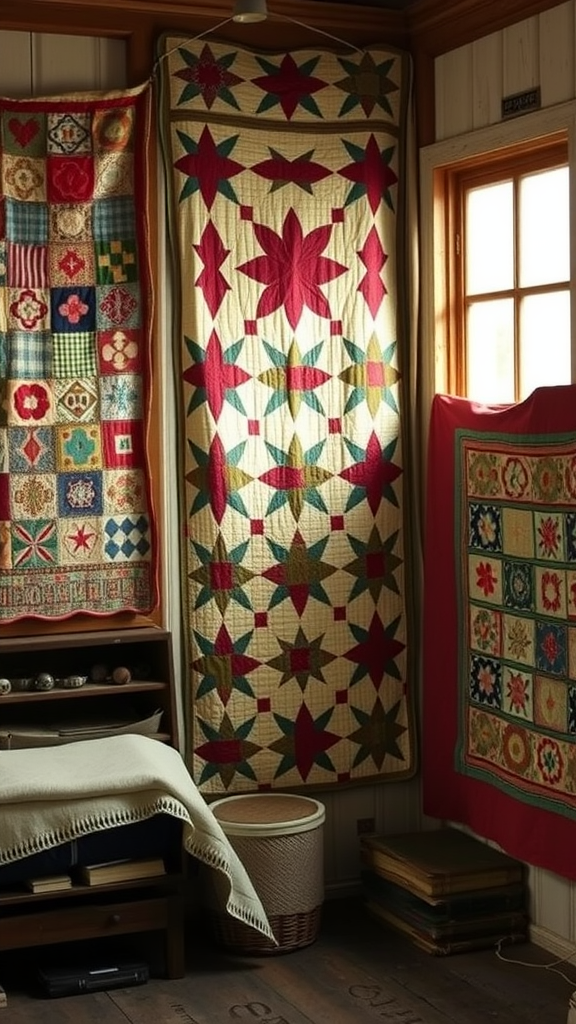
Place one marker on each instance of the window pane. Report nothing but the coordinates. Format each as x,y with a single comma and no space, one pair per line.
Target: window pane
544,228
544,341
489,239
490,349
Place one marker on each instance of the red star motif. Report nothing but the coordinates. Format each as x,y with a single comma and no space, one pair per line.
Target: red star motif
289,85
82,539
207,167
215,375
292,269
373,173
375,474
213,254
377,652
309,741
373,257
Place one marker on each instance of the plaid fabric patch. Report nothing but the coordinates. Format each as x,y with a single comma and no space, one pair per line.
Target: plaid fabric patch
30,355
113,219
74,355
26,222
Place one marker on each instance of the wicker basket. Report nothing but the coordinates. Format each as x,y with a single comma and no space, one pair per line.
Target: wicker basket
279,839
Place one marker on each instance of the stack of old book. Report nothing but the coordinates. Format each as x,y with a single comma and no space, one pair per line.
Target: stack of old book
444,889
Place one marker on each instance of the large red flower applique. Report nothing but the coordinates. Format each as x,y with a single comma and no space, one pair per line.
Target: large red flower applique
292,269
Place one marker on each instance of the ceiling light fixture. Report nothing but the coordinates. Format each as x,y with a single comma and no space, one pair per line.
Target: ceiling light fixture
250,11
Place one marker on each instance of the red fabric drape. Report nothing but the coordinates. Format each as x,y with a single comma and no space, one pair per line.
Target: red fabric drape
531,818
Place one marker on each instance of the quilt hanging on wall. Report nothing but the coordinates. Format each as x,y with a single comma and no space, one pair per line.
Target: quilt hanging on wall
499,715
287,178
76,531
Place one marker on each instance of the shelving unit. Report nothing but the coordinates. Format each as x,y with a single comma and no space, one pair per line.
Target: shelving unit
85,912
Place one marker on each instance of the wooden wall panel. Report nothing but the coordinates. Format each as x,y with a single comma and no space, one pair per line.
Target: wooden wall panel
15,64
520,57
454,102
486,80
557,77
471,81
88,62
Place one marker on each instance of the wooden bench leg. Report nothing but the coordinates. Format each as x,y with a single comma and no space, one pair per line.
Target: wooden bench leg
174,942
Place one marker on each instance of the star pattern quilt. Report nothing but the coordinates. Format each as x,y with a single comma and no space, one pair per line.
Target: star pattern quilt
500,623
287,180
76,531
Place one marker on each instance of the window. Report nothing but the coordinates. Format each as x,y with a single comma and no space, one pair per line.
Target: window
508,272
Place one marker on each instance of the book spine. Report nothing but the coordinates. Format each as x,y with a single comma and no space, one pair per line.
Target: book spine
445,885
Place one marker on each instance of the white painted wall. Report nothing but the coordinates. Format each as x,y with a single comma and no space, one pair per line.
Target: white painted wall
470,84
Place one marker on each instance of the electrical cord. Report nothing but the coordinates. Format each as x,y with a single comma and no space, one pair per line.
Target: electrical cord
546,967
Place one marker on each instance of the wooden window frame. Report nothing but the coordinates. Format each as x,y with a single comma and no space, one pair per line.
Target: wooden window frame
453,181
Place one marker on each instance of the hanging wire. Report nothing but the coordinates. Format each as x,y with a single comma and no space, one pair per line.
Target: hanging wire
313,28
186,42
220,24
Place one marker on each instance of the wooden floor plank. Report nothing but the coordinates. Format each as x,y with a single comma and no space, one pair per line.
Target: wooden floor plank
356,971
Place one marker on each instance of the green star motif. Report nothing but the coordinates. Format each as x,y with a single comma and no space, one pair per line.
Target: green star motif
368,84
221,575
371,377
377,734
227,751
301,659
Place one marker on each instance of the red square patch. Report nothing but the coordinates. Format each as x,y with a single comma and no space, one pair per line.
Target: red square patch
70,179
122,444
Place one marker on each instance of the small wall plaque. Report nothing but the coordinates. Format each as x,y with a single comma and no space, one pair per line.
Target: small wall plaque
521,103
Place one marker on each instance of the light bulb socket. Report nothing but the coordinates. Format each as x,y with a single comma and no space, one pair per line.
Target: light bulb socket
249,11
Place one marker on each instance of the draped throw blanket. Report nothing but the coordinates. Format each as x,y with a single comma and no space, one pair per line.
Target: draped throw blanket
499,732
76,534
287,178
52,796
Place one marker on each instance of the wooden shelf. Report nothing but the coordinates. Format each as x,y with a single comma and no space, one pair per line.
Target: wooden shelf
84,912
88,690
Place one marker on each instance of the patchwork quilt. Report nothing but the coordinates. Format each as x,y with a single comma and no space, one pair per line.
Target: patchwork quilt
76,528
500,623
287,178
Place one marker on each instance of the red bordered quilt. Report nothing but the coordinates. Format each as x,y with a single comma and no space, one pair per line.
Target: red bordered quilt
500,623
76,533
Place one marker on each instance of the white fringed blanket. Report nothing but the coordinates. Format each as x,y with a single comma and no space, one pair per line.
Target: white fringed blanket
51,795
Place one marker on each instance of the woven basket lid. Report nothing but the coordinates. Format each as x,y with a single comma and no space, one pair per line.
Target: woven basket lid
270,814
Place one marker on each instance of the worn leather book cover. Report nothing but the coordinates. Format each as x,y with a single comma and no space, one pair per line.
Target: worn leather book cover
439,862
416,913
445,945
121,871
443,910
